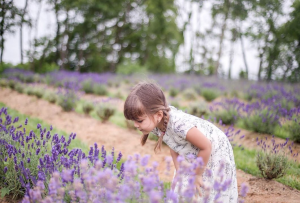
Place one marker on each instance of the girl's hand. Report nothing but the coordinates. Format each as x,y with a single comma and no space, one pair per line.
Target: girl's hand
199,184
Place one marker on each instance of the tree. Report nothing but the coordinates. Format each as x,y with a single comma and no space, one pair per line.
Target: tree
8,15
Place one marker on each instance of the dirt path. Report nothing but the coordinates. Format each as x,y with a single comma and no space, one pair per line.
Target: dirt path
90,131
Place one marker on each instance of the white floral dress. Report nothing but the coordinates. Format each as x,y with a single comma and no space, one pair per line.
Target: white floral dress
175,137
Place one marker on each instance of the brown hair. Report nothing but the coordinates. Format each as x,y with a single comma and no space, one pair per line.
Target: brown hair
147,98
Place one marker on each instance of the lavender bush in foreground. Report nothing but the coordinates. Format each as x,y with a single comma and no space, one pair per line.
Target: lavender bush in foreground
27,158
137,181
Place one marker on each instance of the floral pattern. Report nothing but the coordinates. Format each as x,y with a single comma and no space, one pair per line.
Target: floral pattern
175,137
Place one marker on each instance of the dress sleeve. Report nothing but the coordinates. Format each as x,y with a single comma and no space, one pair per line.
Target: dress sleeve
182,125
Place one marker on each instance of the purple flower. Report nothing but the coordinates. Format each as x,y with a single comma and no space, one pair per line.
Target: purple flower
144,160
5,169
244,190
26,121
39,126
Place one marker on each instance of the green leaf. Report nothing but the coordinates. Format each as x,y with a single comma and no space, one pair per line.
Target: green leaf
4,191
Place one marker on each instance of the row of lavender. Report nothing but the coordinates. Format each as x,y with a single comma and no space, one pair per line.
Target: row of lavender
264,108
40,167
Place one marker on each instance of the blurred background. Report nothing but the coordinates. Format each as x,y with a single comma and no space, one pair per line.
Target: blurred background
250,39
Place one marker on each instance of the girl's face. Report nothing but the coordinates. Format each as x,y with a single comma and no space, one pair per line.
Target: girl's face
146,124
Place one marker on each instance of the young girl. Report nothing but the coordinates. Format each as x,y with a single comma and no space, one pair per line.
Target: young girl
186,135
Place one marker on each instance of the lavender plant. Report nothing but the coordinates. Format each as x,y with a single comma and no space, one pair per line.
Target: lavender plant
87,107
272,160
189,94
99,89
67,96
227,110
87,86
198,109
136,181
209,94
50,97
29,158
173,92
105,110
3,82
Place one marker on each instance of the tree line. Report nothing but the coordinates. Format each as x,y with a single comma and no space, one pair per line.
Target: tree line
101,36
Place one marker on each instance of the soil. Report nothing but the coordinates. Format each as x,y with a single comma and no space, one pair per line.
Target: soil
90,131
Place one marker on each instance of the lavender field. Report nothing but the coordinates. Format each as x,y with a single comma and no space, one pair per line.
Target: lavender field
64,137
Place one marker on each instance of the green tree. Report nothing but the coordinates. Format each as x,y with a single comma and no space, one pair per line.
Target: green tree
8,14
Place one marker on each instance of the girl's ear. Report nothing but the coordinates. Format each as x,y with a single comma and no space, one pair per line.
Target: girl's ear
160,114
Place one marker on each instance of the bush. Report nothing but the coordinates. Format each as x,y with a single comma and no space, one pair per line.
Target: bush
209,94
29,156
28,159
262,122
294,130
87,86
99,89
105,111
190,94
50,97
173,92
38,92
67,100
11,84
272,162
136,181
19,88
198,109
227,116
87,107
4,82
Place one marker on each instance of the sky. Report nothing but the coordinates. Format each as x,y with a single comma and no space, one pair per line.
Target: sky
46,27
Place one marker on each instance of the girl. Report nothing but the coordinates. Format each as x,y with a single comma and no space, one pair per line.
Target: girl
186,135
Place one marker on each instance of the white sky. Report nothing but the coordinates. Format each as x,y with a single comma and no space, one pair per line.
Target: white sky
46,27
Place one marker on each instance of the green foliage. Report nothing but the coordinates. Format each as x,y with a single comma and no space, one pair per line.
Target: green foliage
38,92
105,111
87,107
99,89
87,86
209,94
243,74
272,165
173,92
50,97
19,88
294,130
4,66
251,94
190,94
11,84
67,101
261,122
130,67
198,109
4,82
229,116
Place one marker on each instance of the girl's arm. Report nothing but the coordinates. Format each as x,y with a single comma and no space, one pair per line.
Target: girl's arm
174,157
195,137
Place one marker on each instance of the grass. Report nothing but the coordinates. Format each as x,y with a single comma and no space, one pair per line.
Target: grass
291,178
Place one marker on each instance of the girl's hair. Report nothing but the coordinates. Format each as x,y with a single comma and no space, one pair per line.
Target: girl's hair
147,98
